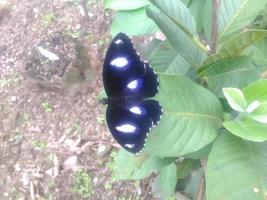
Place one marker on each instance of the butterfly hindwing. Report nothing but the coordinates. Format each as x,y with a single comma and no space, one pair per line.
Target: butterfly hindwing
124,73
130,122
153,110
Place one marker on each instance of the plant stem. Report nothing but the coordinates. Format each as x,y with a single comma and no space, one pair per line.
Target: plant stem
201,190
214,25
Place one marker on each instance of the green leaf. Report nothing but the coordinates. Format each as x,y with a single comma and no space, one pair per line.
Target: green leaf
248,129
186,2
260,113
129,166
165,59
178,13
164,185
237,170
125,4
257,91
192,116
236,14
186,167
259,52
200,154
176,22
235,99
190,185
246,125
134,22
199,9
101,95
261,20
230,72
234,46
207,18
147,48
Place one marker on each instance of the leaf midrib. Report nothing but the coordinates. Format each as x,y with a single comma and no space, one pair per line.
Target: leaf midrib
234,17
229,72
193,115
223,47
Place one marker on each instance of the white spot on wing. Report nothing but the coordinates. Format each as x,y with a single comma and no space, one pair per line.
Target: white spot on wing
132,84
119,62
118,41
129,145
126,128
136,110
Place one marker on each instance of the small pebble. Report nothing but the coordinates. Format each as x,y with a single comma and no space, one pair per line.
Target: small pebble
17,167
13,98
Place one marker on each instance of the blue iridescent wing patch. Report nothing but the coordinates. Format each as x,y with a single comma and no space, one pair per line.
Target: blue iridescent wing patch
128,81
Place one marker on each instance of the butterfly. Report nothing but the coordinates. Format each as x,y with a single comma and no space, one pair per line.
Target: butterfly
129,82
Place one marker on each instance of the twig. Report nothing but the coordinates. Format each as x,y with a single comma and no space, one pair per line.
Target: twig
201,190
149,186
32,193
214,30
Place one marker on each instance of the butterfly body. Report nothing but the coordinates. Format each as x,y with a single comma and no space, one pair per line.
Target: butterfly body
129,84
118,100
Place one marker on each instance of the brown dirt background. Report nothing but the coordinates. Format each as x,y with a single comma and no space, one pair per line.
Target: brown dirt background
51,124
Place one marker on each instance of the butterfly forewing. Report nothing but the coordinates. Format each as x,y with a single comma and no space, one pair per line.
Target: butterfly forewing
143,87
121,65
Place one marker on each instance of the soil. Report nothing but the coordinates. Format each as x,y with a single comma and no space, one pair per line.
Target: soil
51,124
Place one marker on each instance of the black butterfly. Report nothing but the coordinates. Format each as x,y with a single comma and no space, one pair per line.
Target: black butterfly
128,81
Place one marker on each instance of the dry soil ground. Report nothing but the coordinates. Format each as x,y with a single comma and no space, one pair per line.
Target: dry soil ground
53,139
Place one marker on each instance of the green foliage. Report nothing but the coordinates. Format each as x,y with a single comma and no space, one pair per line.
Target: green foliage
235,98
82,184
176,22
137,167
164,184
234,46
167,60
211,140
133,13
48,19
188,123
201,10
258,52
251,123
47,106
237,169
15,79
39,144
229,72
140,23
186,167
237,14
